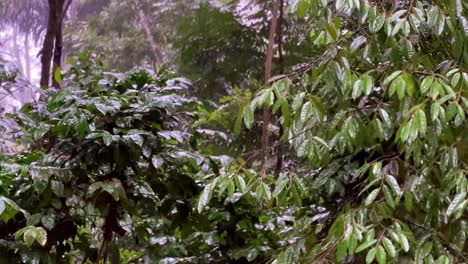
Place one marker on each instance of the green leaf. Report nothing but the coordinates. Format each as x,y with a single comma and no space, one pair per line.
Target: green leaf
248,117
301,8
365,245
426,84
280,185
30,236
409,84
40,185
21,232
357,89
2,206
457,200
240,182
455,80
371,197
370,256
352,244
269,98
397,27
391,77
297,103
107,138
435,111
58,75
399,86
41,236
286,114
48,222
452,110
460,239
389,197
386,117
368,84
204,198
57,188
381,255
404,243
409,203
436,88
238,124
377,169
357,42
389,247
404,132
135,138
420,119
377,24
341,251
393,184
426,249
306,111
94,187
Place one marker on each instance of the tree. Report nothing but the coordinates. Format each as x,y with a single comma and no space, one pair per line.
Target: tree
25,22
217,51
269,60
53,41
380,117
145,22
129,167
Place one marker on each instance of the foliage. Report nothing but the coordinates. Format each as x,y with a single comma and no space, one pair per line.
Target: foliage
103,158
216,50
129,168
110,31
29,17
109,171
381,117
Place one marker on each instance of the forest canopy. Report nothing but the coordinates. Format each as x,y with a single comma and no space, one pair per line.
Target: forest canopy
172,131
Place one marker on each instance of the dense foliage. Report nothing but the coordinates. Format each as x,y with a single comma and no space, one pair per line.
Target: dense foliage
131,168
381,116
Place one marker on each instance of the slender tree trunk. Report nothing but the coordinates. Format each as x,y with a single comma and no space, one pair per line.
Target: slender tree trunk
57,59
268,65
279,149
27,58
156,52
48,45
53,41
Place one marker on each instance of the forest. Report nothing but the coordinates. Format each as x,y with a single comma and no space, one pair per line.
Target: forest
233,131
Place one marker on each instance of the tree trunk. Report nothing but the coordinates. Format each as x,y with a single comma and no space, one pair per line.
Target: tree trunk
48,45
156,52
57,59
279,149
53,41
266,109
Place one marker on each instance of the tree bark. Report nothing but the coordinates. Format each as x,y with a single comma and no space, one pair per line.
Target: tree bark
268,65
279,149
53,41
156,52
48,45
57,59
